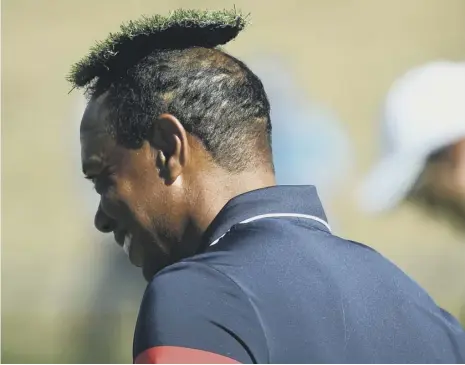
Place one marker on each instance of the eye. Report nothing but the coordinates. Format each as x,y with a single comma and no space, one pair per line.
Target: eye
91,178
101,182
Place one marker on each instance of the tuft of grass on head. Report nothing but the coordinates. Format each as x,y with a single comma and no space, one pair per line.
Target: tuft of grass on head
137,39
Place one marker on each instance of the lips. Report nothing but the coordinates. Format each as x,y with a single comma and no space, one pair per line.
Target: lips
120,237
124,239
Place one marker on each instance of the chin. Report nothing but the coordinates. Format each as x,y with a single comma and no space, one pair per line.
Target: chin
156,259
148,274
150,269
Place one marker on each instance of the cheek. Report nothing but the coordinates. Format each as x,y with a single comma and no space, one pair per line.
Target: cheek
110,204
115,200
459,178
137,200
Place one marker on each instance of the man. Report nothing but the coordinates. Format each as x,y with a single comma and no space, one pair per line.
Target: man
424,158
424,135
176,139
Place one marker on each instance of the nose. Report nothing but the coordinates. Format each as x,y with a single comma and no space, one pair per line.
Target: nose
103,222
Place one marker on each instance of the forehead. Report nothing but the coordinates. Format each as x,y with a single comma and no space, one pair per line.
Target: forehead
98,148
95,117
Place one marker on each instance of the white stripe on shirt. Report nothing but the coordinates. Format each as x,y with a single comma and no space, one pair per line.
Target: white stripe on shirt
278,215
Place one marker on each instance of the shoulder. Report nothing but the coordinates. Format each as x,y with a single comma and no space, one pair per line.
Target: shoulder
191,304
180,281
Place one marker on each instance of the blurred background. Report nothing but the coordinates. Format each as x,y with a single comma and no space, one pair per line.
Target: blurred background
69,294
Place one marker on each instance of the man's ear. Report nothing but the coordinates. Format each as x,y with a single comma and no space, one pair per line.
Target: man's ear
169,138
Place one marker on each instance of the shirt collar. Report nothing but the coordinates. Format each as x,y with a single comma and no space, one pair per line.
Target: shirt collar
283,200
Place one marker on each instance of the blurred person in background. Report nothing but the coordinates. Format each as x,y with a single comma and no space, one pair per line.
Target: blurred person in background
240,270
423,135
423,143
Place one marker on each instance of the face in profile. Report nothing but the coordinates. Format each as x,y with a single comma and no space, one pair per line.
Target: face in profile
441,188
137,205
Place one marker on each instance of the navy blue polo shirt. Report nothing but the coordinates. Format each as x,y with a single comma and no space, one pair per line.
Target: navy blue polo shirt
274,285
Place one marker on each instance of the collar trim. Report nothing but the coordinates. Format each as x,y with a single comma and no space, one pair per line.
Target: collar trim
277,215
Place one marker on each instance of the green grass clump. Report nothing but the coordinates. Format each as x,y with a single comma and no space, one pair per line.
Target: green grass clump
136,39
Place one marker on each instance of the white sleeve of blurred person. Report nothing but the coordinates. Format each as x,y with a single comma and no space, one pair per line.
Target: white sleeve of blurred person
310,146
423,113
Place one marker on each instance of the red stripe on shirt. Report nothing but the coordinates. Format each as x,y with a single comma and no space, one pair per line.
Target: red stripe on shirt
180,355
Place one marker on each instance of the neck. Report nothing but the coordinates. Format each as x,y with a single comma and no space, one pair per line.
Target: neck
212,196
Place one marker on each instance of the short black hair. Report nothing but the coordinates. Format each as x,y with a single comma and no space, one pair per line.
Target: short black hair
171,65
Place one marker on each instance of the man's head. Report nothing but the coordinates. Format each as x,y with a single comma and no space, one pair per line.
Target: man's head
424,130
165,132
